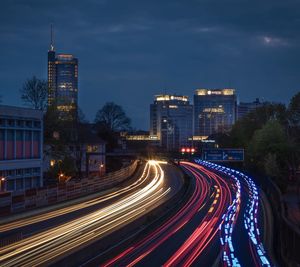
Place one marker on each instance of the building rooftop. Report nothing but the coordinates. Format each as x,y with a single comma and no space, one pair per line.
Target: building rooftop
171,97
225,91
13,111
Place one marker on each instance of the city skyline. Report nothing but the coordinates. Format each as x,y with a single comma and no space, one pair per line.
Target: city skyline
142,50
149,133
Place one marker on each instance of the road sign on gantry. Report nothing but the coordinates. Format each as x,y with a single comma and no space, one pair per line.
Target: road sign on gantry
223,154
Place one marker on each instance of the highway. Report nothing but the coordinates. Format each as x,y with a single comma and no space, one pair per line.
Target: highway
241,235
52,243
219,225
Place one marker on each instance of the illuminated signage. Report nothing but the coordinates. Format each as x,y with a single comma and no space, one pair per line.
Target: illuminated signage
171,97
204,92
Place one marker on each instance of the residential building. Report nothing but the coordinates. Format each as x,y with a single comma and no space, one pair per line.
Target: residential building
245,107
21,148
171,120
63,83
214,111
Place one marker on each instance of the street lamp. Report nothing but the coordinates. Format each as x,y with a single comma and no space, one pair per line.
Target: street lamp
2,184
101,168
61,175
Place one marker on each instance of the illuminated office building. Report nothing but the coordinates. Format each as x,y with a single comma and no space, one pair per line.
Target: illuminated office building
171,120
63,83
214,111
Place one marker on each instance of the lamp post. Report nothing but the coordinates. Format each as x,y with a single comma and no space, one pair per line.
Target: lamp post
101,168
60,177
2,184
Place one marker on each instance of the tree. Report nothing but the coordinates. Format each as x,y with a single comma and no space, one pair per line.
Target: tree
63,169
244,129
34,93
270,148
113,116
294,110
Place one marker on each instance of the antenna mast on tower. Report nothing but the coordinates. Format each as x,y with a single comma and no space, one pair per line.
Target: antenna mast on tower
52,39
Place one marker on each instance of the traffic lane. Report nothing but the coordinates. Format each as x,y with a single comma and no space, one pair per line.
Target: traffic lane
241,240
136,230
76,234
250,213
203,246
43,221
147,252
161,254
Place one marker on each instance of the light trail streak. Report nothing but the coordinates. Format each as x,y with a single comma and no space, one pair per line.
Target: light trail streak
207,230
257,250
50,244
63,211
203,234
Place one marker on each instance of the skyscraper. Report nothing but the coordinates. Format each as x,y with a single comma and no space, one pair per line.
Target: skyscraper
171,120
63,83
214,111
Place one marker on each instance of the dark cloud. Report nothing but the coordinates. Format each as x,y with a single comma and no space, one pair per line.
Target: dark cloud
130,50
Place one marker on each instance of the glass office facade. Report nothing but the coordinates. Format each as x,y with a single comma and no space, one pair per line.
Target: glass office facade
63,84
214,111
171,120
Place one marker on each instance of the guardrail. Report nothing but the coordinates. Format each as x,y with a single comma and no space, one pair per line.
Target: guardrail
12,202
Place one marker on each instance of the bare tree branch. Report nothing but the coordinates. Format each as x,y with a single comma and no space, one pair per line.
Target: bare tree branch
34,93
113,116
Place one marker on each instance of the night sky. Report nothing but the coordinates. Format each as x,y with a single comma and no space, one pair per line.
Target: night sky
129,51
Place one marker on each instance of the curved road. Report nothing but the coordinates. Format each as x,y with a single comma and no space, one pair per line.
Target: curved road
217,226
53,243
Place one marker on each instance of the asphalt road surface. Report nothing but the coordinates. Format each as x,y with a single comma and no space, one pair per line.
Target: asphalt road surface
219,225
47,241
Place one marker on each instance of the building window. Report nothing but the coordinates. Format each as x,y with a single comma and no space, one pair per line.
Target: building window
91,148
37,124
36,170
19,144
29,124
10,144
35,181
11,173
28,171
27,182
36,144
10,185
19,184
20,123
11,123
2,144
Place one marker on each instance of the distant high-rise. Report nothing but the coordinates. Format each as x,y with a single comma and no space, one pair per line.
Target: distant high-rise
63,83
171,120
245,107
214,111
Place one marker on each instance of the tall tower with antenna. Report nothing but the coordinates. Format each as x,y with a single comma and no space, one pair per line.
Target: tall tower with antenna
62,82
51,70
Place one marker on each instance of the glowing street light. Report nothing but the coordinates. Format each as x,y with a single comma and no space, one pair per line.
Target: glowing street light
2,183
60,177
